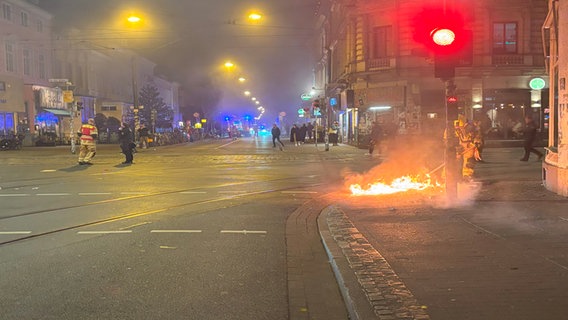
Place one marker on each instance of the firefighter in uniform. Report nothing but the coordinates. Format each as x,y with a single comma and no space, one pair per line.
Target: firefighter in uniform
467,148
87,134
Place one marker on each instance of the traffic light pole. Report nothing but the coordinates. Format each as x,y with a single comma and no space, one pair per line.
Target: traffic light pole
451,144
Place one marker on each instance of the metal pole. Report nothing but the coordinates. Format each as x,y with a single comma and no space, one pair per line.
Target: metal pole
135,97
451,143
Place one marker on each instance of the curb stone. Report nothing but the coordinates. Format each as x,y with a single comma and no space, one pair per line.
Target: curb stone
384,290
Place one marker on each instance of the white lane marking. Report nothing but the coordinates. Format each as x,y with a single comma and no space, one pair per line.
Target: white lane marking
192,192
53,194
15,195
299,192
48,170
104,232
15,232
565,219
226,144
168,247
176,231
244,231
94,193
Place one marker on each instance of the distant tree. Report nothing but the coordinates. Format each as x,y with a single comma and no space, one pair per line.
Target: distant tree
151,100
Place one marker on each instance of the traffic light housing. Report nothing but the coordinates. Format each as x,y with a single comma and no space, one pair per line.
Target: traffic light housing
443,33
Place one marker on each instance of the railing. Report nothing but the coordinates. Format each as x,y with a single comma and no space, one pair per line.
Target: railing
508,59
381,63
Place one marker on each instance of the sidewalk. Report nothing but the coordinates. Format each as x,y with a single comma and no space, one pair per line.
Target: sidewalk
356,229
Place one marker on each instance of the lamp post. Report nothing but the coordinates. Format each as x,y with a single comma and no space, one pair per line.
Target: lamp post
136,107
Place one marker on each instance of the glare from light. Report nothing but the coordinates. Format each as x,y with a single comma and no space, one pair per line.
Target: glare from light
255,16
133,19
378,108
229,64
247,93
257,102
443,37
242,79
253,98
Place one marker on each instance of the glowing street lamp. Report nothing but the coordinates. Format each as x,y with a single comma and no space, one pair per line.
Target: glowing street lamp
247,93
134,19
229,64
242,79
255,16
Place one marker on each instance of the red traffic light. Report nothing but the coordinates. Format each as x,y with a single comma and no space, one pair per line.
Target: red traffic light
443,37
441,30
452,99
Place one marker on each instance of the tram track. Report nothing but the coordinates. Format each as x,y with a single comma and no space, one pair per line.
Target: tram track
145,212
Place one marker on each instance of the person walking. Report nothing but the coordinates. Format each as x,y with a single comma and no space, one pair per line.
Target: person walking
276,137
529,135
88,134
294,132
302,133
375,138
126,143
144,134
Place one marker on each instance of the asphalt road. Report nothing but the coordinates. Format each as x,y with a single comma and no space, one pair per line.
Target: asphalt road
193,231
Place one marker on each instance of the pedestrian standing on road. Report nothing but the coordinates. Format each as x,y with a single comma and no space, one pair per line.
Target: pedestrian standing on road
310,131
126,143
144,134
276,137
529,135
294,133
302,133
88,134
375,138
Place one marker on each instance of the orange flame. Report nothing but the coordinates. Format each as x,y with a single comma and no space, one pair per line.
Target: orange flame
402,184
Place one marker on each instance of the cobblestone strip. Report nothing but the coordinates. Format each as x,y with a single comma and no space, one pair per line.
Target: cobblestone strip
386,293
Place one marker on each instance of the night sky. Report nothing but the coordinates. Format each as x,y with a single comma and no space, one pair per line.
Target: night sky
190,39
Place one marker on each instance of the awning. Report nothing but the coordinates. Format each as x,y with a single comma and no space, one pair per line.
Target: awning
58,112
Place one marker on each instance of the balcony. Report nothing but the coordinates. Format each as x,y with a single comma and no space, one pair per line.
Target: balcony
510,59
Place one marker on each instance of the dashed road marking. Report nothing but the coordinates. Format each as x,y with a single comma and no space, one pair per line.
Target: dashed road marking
104,232
14,232
244,231
15,195
48,170
53,194
176,231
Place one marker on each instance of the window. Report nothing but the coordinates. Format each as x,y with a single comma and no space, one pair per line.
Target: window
41,66
108,108
39,26
10,58
2,86
6,11
381,42
505,37
24,19
27,62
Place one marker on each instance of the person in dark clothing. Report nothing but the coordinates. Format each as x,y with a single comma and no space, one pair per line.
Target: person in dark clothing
529,134
375,137
276,137
126,143
310,130
302,133
294,135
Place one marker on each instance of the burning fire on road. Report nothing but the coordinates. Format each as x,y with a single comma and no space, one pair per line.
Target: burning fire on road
400,184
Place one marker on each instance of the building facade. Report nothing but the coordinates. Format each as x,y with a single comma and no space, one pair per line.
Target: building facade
371,62
50,83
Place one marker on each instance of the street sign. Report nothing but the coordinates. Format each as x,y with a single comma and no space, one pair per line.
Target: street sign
306,96
58,80
68,96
